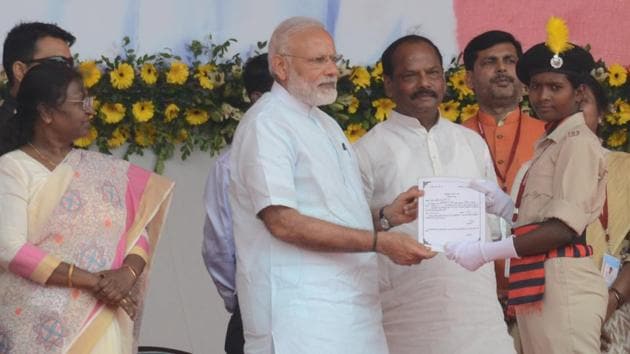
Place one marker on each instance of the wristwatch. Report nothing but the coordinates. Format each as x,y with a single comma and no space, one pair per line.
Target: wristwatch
385,225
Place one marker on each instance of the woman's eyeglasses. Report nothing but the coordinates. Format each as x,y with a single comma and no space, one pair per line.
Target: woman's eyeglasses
87,103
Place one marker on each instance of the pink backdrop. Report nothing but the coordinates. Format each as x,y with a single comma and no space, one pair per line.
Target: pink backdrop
604,24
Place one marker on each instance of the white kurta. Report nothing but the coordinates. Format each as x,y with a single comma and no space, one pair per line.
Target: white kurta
294,300
437,306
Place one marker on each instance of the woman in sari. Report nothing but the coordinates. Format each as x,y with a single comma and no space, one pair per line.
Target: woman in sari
77,228
610,234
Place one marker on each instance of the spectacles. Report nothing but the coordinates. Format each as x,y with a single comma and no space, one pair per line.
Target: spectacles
55,59
87,103
320,60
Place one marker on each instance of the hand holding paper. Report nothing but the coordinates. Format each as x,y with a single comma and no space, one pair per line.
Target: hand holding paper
404,208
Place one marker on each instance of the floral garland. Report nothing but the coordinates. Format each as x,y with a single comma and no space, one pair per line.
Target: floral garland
160,102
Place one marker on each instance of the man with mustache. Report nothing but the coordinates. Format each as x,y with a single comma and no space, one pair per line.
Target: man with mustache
306,240
490,60
433,307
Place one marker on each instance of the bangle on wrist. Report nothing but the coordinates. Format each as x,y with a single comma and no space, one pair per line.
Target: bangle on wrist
133,272
618,296
374,240
70,272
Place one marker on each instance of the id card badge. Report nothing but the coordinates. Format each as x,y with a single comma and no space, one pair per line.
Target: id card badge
610,268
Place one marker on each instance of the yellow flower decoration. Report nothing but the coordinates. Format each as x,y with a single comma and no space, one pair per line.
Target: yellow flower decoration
354,132
360,77
145,135
196,116
205,69
112,113
171,112
119,137
88,139
203,74
90,72
622,115
618,138
377,72
458,82
450,110
122,77
384,107
149,73
469,111
206,82
177,74
143,111
182,136
617,75
354,105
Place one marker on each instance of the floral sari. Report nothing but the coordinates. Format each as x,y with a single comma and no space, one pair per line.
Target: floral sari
93,211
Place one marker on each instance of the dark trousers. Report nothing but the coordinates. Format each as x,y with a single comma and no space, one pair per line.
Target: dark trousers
234,340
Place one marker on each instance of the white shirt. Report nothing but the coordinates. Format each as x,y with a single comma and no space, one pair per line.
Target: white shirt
217,248
436,306
294,300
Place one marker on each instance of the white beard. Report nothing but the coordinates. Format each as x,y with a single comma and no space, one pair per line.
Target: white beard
311,93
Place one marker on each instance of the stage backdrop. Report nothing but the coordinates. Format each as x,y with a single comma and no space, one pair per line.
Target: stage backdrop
183,309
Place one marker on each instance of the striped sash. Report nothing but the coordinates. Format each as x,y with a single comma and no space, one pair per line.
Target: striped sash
527,274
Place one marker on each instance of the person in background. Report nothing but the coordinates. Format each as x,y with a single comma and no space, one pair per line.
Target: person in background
218,240
28,44
490,60
558,296
610,234
75,242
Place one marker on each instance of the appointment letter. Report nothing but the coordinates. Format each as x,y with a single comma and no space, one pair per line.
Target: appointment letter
450,211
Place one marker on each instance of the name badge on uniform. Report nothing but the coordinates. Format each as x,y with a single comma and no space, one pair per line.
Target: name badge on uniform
610,268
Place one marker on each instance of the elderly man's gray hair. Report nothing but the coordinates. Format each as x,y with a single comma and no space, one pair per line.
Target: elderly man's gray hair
280,38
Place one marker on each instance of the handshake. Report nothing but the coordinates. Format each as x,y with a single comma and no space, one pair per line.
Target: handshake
473,254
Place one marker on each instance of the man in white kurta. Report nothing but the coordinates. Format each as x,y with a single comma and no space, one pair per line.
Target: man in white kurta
436,306
306,280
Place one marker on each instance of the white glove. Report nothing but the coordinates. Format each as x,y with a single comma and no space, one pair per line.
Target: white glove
473,254
497,202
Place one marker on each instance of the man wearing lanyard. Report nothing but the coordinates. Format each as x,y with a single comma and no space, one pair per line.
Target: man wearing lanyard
490,60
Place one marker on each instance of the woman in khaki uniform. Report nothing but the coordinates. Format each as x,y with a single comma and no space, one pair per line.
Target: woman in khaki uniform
556,292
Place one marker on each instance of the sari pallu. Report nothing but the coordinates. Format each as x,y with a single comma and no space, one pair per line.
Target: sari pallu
93,211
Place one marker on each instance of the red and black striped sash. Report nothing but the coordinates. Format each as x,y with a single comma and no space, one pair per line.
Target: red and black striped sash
527,274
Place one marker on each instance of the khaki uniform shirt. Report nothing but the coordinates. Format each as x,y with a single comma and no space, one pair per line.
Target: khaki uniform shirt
567,178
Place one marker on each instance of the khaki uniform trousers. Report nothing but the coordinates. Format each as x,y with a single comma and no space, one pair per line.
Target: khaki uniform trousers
574,306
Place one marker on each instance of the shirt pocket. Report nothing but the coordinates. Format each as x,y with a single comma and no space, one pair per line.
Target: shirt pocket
537,194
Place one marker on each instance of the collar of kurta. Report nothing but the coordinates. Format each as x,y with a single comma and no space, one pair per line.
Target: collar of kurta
412,122
510,118
290,101
566,125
